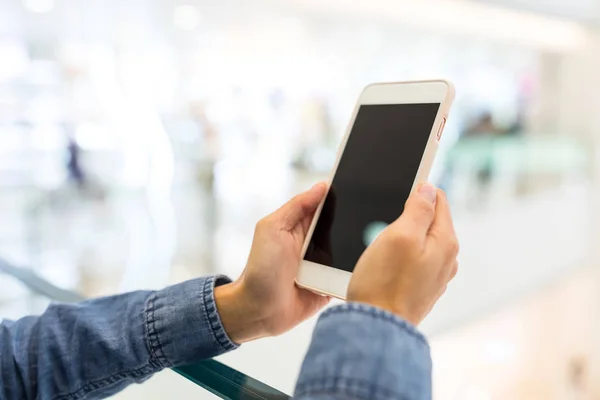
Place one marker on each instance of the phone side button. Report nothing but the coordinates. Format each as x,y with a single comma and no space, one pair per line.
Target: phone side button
441,130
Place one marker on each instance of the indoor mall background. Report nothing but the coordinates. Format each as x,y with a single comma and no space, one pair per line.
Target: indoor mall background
141,140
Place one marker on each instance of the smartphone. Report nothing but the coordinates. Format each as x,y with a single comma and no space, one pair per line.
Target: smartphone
389,148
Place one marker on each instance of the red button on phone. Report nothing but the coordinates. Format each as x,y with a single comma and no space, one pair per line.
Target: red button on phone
441,130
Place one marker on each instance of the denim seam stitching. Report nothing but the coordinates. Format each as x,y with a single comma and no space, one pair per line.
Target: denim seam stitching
353,395
324,384
216,327
378,314
156,348
99,384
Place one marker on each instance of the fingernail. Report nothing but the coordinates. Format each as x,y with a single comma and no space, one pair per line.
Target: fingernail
428,191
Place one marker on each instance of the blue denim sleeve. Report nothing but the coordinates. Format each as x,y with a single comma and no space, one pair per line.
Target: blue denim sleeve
96,348
361,352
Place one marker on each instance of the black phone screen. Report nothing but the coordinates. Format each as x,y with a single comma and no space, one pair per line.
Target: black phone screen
372,182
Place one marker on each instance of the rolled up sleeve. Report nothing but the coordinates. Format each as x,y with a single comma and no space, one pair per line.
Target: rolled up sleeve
96,348
182,323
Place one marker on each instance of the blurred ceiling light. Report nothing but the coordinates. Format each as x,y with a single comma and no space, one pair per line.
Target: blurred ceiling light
39,6
483,21
186,17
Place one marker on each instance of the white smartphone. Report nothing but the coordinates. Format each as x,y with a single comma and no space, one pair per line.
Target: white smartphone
389,148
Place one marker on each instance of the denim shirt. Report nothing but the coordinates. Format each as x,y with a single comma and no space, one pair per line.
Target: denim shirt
94,349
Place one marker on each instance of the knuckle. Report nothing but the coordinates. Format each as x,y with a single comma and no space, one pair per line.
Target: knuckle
426,207
262,224
404,238
419,205
454,247
449,243
454,270
443,291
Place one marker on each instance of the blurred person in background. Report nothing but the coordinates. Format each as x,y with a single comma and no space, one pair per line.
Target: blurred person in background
75,170
478,137
77,175
367,348
483,125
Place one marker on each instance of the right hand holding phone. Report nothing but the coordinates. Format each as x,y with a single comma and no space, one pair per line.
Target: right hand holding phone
408,267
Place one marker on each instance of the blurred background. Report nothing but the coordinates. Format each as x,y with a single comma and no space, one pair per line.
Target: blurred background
140,141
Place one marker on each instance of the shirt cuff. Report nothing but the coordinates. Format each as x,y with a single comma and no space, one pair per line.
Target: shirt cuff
363,352
183,325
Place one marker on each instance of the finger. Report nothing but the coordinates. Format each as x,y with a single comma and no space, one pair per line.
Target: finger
419,211
311,303
442,229
453,271
301,206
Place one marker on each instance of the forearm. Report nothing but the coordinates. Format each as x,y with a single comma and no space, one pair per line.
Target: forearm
360,352
100,346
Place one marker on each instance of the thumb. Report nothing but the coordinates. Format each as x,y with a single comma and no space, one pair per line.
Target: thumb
301,206
419,211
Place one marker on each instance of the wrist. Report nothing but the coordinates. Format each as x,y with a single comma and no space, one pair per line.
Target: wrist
398,310
240,319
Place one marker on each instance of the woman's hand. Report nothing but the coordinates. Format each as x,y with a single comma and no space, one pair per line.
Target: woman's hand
408,267
265,300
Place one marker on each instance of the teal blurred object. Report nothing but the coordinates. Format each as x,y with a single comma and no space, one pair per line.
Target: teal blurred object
211,375
529,154
373,230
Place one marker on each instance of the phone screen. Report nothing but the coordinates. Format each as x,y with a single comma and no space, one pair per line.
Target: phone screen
372,182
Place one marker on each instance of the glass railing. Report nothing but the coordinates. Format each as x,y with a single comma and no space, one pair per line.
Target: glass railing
228,383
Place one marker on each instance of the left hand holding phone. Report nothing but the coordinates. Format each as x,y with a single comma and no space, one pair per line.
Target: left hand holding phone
265,300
